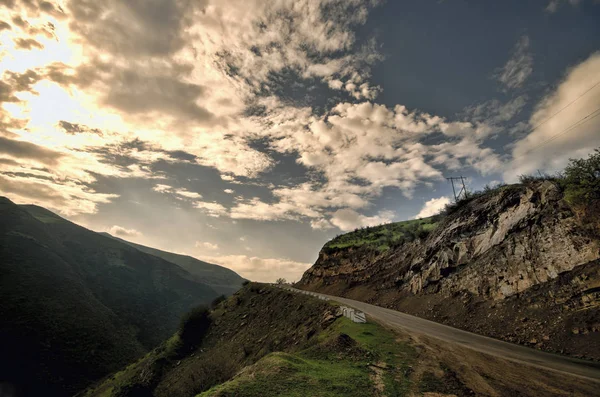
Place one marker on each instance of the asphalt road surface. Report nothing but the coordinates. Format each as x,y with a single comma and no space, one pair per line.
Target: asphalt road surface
498,348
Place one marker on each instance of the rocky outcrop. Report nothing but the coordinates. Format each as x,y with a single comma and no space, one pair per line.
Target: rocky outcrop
496,246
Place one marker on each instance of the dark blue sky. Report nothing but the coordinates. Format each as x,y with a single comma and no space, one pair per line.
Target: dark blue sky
440,56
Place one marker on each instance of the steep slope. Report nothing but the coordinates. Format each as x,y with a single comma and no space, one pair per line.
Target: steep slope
265,341
224,281
76,305
484,263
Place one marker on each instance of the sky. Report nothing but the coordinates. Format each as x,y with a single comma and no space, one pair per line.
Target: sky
249,133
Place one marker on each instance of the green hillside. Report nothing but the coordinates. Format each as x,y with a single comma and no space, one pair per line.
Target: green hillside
219,278
382,237
256,346
77,305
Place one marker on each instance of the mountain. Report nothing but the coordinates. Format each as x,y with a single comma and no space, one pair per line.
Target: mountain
76,305
519,263
219,278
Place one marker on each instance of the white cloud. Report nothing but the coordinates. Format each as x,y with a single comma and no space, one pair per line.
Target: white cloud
261,269
519,67
144,88
178,193
360,149
549,147
433,207
347,219
211,209
207,245
321,224
124,232
61,195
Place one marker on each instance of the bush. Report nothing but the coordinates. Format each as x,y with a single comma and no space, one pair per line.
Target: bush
246,282
217,301
581,180
531,179
215,367
194,326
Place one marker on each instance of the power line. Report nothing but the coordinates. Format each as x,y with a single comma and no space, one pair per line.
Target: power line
581,121
554,114
564,107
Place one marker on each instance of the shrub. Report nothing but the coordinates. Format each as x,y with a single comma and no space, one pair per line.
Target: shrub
246,282
531,179
194,326
581,179
217,301
217,366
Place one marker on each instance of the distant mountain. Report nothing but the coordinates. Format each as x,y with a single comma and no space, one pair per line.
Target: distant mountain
76,305
219,278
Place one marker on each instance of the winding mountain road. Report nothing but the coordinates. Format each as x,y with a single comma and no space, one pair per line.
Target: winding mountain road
571,366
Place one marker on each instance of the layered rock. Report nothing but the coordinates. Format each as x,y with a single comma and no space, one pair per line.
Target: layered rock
498,245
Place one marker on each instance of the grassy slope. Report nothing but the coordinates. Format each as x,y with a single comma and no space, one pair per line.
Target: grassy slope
77,305
349,359
269,342
224,281
252,323
383,236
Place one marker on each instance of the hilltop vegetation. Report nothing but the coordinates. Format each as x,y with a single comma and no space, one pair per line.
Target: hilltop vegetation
383,237
77,305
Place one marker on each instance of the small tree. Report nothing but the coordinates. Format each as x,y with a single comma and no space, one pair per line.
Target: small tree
280,281
193,327
217,301
582,179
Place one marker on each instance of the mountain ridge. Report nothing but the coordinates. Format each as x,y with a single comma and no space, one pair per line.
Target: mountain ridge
221,279
77,305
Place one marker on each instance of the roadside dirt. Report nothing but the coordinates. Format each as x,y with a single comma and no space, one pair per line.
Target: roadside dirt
451,370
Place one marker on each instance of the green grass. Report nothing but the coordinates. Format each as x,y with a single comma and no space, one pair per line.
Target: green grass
324,370
283,374
383,237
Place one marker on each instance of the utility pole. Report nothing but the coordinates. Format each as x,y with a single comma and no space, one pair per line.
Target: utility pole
463,190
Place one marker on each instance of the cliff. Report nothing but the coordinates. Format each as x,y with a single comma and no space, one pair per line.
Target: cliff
514,250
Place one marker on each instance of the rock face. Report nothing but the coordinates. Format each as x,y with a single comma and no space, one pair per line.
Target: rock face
497,246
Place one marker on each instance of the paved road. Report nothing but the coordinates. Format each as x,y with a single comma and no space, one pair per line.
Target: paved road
509,351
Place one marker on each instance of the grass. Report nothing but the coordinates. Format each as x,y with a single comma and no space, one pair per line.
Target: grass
383,237
328,369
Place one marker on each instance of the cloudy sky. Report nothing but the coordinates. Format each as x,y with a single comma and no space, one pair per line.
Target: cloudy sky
248,133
